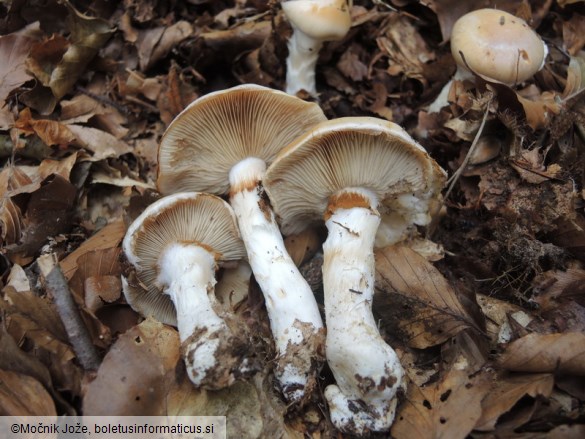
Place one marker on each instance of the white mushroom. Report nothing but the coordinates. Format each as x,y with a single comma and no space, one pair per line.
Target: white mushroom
313,23
494,45
347,172
175,246
222,144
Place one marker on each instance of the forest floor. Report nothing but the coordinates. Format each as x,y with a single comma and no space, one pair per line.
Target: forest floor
490,330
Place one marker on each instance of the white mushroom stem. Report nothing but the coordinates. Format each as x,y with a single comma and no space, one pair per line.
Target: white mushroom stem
303,53
366,368
295,321
187,274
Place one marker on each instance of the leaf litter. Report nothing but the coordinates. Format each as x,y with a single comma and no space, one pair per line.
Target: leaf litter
490,328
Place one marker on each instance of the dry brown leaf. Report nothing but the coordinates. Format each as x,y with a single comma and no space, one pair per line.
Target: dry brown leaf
575,76
14,51
88,35
136,373
49,213
49,131
555,286
448,409
507,391
11,222
154,44
101,143
107,238
97,279
542,353
405,48
415,300
573,35
22,395
303,246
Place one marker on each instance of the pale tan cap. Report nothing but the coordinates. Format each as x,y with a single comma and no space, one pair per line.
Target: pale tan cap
497,46
220,129
327,20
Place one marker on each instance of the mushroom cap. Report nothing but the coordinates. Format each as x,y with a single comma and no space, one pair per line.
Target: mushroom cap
326,20
188,218
497,46
218,130
350,153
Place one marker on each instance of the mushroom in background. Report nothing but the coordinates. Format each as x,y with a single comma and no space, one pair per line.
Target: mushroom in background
313,23
348,172
221,144
494,45
175,247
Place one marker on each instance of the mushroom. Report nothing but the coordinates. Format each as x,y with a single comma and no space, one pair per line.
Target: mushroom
348,172
175,246
496,46
313,23
221,144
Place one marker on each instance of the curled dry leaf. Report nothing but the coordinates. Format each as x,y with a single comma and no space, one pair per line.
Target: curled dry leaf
415,300
107,238
22,395
97,279
88,35
507,391
447,409
539,353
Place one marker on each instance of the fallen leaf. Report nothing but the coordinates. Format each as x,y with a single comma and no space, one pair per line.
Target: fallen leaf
303,246
507,391
448,409
88,35
134,377
14,51
415,300
540,353
108,237
22,395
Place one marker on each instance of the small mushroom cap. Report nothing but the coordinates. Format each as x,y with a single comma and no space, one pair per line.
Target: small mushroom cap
497,46
326,20
350,153
188,218
220,129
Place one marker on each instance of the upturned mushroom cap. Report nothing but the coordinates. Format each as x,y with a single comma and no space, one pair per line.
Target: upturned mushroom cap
188,218
304,182
497,46
218,130
326,20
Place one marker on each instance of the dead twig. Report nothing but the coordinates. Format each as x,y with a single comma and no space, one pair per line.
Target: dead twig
56,285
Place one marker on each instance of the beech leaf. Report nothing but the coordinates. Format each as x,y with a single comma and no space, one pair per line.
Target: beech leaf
447,409
564,353
415,300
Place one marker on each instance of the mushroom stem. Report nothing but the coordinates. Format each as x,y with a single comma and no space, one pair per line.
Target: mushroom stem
366,368
210,350
295,321
303,53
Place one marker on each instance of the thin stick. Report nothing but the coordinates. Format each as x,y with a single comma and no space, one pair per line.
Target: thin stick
455,177
56,285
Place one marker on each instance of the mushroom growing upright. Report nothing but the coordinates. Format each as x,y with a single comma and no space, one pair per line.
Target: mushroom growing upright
175,247
221,144
313,23
347,172
496,46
